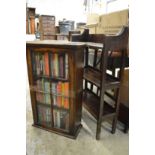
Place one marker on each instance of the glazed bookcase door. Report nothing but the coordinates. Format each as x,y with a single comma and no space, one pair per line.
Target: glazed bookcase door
55,74
51,88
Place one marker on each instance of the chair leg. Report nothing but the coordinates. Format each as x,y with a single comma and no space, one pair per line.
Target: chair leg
114,123
86,84
98,130
113,72
126,128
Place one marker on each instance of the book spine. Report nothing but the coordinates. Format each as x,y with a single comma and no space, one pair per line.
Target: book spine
61,66
37,97
55,118
66,93
58,118
33,63
48,115
46,64
66,66
47,86
56,66
39,114
44,115
67,122
53,90
43,89
63,93
59,90
43,62
61,120
51,64
37,64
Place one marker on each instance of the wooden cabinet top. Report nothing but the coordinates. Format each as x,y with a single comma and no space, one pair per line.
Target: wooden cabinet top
55,42
62,43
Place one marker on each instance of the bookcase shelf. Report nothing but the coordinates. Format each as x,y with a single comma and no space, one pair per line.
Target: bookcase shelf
50,78
55,74
43,104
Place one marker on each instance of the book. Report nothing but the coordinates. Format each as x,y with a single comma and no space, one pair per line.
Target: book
62,92
54,65
39,114
66,66
47,97
39,88
42,85
58,118
66,93
37,64
33,63
53,90
59,91
51,64
46,64
62,123
41,63
47,86
67,122
56,115
54,118
59,65
61,60
48,116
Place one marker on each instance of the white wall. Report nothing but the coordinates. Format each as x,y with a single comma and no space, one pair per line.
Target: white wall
117,5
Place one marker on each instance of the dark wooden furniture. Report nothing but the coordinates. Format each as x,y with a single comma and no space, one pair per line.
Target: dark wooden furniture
47,27
123,116
96,75
60,36
114,58
30,20
124,100
56,94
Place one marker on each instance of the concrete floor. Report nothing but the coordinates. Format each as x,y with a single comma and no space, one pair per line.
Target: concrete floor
41,142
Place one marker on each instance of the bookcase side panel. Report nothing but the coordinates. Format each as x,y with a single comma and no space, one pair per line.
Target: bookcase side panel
72,90
76,63
30,77
79,65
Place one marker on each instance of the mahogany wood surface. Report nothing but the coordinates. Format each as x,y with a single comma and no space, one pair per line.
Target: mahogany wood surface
76,64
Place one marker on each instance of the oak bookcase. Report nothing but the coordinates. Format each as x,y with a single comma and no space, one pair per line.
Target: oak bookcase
55,71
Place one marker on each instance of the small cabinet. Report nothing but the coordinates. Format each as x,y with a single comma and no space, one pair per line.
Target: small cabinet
55,73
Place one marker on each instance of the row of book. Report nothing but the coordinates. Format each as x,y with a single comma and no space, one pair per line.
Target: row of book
61,119
44,115
57,63
61,99
40,63
59,91
44,95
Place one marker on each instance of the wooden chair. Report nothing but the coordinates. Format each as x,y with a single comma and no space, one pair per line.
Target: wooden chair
114,58
96,75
